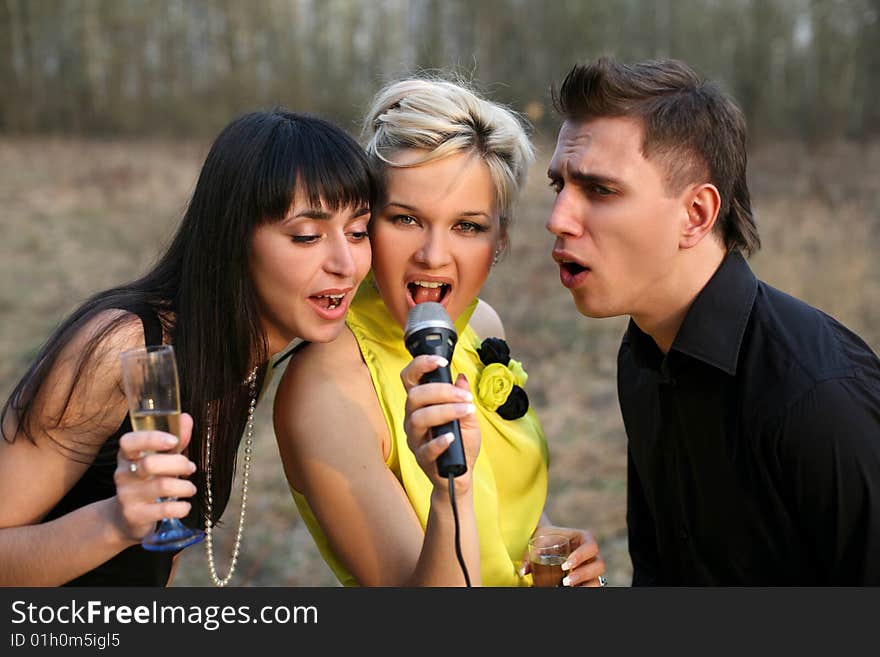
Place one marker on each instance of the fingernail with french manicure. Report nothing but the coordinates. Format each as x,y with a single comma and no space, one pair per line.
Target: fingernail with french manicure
442,362
467,409
566,581
169,441
566,565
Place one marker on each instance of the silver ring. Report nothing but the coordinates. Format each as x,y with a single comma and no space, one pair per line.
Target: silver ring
133,467
602,580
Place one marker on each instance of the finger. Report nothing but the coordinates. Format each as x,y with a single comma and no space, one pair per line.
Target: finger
461,382
586,574
168,487
418,367
170,465
151,512
428,394
585,547
132,445
429,452
423,419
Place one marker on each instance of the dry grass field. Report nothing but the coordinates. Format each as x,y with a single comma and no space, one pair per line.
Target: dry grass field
79,216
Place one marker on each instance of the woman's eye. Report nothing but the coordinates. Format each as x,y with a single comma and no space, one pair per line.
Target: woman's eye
305,239
470,227
403,219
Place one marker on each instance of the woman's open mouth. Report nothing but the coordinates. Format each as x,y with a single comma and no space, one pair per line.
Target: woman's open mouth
328,301
422,291
331,304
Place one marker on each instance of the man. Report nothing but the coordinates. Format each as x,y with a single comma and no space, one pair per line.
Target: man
753,419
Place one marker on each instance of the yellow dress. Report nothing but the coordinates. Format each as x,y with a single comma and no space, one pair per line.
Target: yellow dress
510,473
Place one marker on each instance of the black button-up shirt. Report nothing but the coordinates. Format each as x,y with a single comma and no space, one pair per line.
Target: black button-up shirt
754,444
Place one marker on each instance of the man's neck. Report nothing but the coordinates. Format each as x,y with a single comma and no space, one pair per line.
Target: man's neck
663,319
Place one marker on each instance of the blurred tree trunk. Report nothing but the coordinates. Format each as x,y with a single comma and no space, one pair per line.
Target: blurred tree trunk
8,80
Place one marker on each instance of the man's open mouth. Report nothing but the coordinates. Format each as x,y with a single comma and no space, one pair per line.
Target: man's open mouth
573,268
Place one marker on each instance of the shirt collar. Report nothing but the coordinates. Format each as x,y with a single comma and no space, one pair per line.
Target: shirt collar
713,329
714,326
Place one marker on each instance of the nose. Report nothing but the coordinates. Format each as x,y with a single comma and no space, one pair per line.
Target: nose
340,259
565,218
435,251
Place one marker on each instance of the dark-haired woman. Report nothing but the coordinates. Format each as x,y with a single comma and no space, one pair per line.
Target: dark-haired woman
271,248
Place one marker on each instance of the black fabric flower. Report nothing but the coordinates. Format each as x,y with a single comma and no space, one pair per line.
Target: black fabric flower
516,406
500,387
494,350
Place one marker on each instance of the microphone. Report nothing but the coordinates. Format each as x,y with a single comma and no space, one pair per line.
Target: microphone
430,331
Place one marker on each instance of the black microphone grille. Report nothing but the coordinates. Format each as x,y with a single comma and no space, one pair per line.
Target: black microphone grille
429,314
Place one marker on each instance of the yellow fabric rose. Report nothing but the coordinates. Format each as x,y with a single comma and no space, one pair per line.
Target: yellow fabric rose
495,385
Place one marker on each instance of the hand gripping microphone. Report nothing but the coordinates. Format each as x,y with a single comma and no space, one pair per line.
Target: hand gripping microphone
430,331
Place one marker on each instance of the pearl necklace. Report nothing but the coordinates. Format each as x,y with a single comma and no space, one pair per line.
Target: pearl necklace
209,525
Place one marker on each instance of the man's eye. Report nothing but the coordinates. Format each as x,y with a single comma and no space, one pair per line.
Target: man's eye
601,190
359,235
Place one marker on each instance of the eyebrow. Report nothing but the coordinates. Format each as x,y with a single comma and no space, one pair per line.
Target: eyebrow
415,210
582,178
312,213
323,215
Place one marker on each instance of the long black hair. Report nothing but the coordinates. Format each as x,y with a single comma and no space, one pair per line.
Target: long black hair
201,287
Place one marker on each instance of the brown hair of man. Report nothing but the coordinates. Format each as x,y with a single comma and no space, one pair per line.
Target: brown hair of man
692,129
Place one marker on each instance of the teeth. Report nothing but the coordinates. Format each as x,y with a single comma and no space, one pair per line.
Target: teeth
429,284
335,299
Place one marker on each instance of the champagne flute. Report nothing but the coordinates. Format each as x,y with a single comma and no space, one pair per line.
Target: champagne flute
149,375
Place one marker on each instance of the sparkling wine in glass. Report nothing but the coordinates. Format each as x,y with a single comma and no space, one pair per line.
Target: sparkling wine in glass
149,375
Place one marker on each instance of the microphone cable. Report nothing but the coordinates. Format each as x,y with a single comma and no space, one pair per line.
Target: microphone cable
467,579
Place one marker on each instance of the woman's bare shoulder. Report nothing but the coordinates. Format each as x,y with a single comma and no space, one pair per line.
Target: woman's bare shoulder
322,380
485,322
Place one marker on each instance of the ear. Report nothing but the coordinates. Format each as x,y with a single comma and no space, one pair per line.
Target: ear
503,240
702,203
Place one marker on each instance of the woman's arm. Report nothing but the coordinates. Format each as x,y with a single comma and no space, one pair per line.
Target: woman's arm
334,441
34,476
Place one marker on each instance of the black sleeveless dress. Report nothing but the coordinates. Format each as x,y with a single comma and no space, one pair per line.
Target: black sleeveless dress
134,566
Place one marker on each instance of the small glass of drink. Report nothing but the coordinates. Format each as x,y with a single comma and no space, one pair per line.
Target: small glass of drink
547,552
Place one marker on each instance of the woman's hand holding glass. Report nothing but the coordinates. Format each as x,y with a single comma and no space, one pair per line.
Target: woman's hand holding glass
149,376
149,466
432,404
584,565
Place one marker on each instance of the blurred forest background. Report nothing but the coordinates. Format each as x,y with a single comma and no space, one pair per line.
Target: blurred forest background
107,108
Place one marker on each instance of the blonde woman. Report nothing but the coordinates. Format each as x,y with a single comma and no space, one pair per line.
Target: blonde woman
453,164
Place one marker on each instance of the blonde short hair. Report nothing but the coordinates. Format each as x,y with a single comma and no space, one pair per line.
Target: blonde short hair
444,118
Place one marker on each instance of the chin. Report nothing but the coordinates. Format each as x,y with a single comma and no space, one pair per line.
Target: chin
592,310
317,331
326,333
